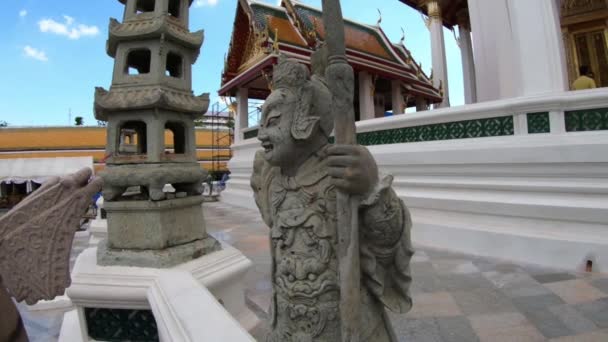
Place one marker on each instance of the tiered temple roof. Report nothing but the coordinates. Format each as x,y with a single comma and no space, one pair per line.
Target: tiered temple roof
261,32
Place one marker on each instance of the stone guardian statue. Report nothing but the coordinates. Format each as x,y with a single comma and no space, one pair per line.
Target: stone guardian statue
298,180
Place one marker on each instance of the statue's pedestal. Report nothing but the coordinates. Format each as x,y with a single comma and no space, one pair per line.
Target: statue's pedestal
134,303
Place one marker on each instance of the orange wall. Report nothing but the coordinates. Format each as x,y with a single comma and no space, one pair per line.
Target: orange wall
35,138
49,142
52,138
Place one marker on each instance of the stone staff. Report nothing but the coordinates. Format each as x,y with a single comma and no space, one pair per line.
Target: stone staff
340,80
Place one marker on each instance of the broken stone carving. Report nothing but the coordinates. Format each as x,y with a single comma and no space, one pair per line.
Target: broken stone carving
36,237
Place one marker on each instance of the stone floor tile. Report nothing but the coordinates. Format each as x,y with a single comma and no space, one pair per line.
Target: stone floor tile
458,266
417,329
259,302
422,268
573,319
576,291
436,304
595,336
441,254
426,284
516,284
456,329
596,311
526,291
534,303
464,282
484,265
260,332
482,301
420,256
508,268
601,284
553,277
505,327
549,324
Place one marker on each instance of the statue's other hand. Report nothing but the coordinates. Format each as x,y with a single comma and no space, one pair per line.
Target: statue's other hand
36,236
353,169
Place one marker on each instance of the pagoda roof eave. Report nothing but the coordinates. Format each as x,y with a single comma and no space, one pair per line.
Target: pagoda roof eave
121,99
152,28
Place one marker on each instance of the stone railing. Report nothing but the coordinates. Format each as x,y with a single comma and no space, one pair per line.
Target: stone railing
518,179
559,113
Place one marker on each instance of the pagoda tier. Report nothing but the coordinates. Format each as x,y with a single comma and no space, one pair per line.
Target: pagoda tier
148,26
121,99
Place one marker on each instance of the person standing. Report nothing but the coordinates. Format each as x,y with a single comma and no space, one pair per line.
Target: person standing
584,81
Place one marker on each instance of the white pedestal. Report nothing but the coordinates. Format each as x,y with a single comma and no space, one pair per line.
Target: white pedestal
174,295
98,230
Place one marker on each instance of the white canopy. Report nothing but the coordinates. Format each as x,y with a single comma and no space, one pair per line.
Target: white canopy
21,170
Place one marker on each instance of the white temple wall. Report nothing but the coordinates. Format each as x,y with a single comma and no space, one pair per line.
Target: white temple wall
532,198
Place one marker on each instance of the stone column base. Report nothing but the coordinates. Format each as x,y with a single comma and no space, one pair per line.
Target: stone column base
135,302
163,258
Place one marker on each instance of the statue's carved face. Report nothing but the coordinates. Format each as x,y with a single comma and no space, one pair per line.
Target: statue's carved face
275,128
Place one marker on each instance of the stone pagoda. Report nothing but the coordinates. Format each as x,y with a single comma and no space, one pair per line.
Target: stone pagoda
150,108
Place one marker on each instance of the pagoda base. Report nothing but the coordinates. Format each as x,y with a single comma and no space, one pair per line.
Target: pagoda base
157,258
201,300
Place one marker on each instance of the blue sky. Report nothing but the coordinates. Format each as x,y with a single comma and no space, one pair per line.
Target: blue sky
53,52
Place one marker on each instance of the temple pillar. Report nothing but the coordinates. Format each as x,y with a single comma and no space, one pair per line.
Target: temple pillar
242,113
366,96
440,69
397,97
509,62
468,64
421,104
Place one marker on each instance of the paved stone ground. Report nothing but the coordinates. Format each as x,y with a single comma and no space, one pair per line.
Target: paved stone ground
457,298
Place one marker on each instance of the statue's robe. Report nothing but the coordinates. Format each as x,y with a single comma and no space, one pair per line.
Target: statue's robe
301,214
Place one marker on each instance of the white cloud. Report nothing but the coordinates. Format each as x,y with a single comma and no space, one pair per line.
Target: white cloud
67,28
68,20
22,13
35,53
201,3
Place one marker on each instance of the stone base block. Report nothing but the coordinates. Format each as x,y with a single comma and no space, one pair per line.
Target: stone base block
201,300
163,258
154,225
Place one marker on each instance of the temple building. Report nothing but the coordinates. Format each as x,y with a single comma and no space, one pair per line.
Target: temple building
388,78
518,172
507,63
